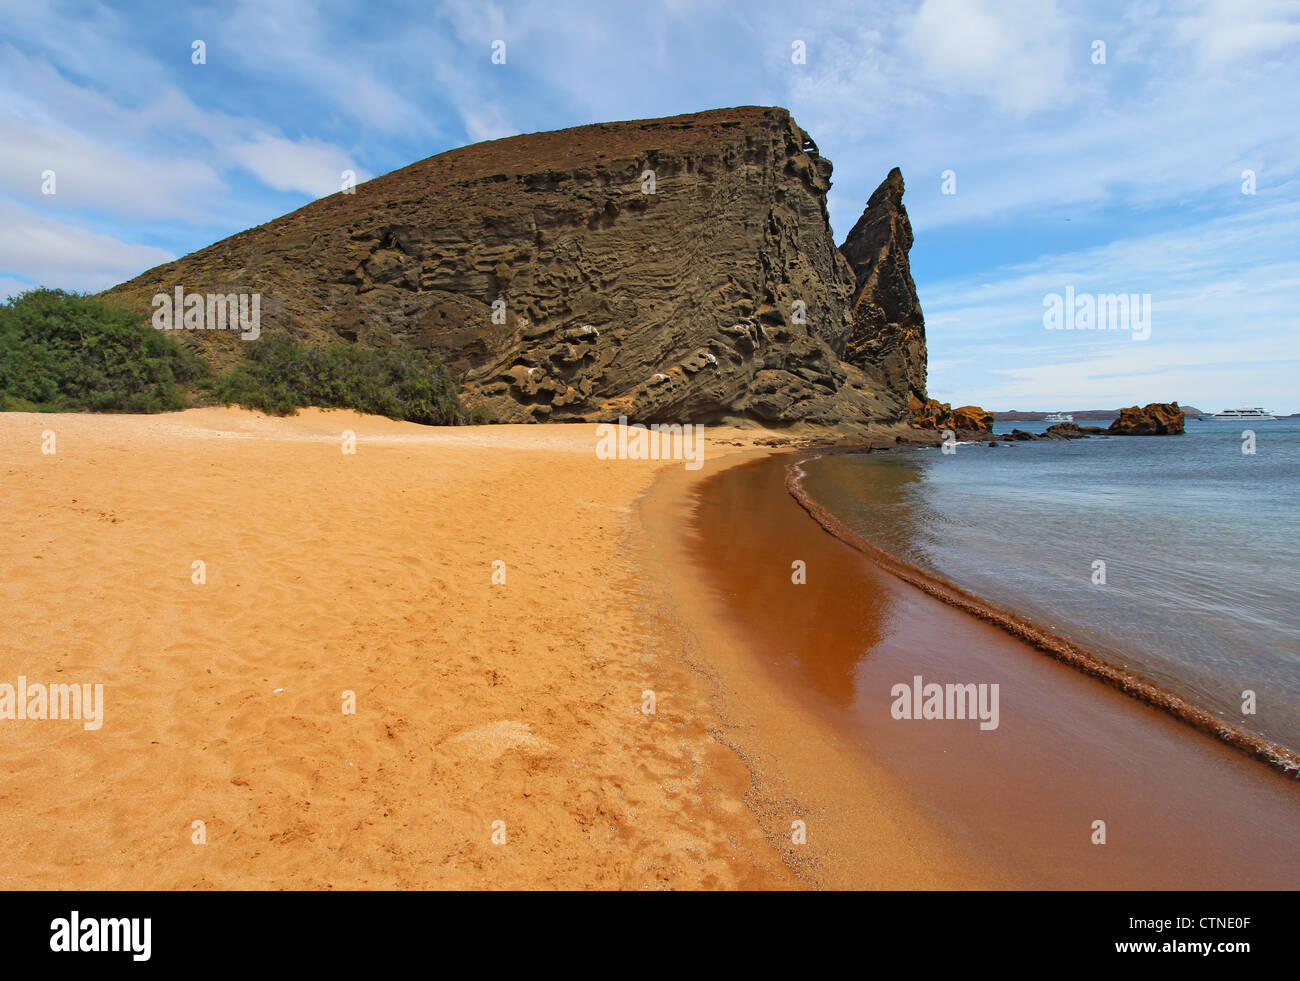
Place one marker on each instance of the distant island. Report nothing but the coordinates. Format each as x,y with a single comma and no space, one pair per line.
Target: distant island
1013,415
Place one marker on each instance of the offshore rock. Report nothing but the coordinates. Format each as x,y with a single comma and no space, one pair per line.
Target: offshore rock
932,414
1154,419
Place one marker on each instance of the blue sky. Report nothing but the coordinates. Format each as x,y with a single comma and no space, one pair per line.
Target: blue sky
1122,177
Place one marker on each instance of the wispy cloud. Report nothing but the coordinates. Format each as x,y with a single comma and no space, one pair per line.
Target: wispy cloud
49,252
1013,53
1115,171
304,166
1223,300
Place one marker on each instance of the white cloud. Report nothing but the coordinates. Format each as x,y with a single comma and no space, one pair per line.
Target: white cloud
1110,382
487,122
1223,300
299,42
53,253
161,158
1008,98
1014,53
90,172
1225,31
307,166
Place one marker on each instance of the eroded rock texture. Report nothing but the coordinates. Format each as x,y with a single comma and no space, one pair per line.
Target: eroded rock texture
936,415
888,329
719,295
1155,419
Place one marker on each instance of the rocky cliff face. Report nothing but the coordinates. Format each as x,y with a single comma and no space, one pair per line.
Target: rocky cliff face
888,327
669,269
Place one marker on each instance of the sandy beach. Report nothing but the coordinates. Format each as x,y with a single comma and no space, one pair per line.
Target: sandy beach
518,702
427,665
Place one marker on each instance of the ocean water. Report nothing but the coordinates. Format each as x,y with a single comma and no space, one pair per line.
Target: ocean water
1201,589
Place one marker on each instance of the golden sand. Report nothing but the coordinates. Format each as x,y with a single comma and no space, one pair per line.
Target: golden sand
369,573
499,738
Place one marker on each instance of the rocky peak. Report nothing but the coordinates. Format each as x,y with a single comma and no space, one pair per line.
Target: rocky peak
888,326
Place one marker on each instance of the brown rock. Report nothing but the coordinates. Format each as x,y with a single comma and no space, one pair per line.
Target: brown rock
932,414
1155,419
973,419
888,326
1065,430
928,413
720,294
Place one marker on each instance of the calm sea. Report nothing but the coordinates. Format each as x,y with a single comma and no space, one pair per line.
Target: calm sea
1201,589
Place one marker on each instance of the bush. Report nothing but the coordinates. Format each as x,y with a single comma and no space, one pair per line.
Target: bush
481,415
280,376
64,352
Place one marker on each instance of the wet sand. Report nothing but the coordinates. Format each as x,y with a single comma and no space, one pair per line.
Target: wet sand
862,827
1016,804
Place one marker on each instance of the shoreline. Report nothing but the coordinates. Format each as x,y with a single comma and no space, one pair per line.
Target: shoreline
863,828
1014,808
1278,757
525,703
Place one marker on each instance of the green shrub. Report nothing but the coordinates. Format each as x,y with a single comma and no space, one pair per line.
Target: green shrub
481,415
64,352
279,376
10,403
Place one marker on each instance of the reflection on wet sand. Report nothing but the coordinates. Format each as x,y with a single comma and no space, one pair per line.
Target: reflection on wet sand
1180,809
819,627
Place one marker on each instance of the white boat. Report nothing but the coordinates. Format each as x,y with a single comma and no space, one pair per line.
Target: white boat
1249,412
1059,417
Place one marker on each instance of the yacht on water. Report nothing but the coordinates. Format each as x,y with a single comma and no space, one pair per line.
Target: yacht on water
1250,412
1059,417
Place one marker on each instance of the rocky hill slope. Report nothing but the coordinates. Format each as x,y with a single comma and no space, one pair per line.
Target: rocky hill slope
668,269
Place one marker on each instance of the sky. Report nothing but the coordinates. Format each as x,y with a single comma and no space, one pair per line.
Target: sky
1094,147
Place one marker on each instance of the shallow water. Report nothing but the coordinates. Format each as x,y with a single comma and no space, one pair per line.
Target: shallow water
1197,539
1182,809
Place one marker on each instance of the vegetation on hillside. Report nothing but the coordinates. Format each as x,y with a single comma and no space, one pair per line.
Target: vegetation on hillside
279,376
63,352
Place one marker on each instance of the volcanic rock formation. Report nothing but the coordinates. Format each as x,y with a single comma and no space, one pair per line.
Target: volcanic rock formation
678,269
933,414
888,333
888,326
1155,419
